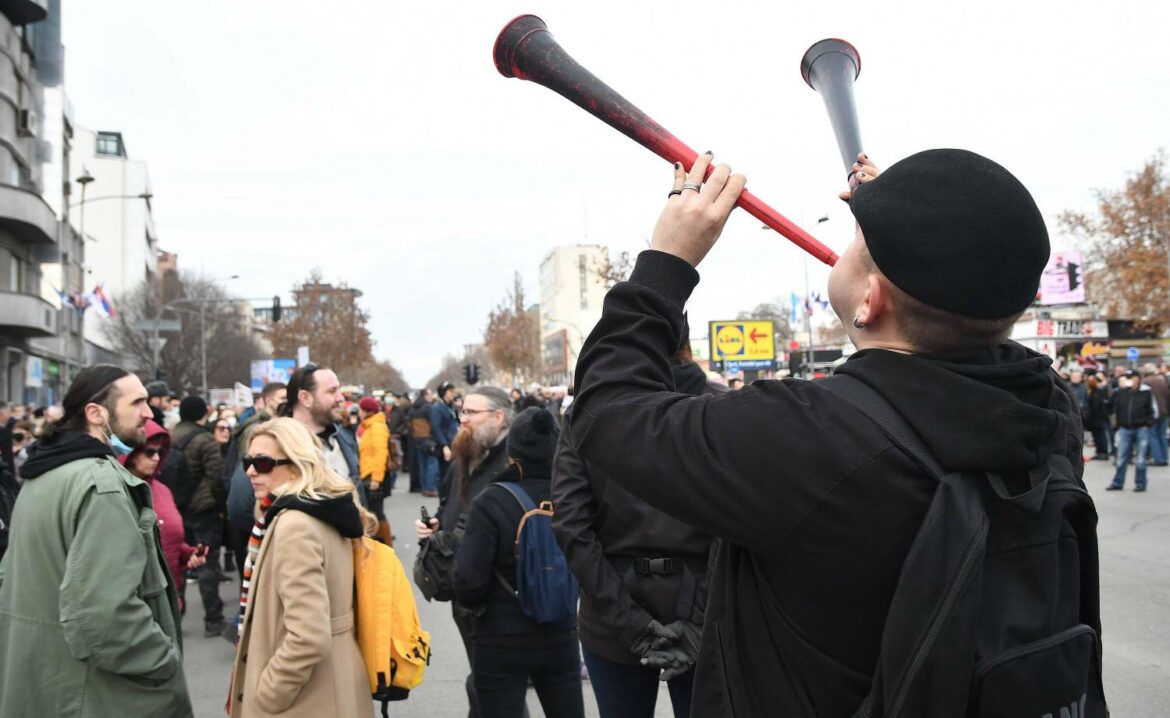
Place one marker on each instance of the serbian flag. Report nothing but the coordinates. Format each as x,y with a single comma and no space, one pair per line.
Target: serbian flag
101,302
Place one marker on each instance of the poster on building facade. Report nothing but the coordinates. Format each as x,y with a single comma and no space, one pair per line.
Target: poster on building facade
1063,281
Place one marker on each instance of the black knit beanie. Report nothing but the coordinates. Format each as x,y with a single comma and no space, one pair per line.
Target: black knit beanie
532,441
955,231
192,408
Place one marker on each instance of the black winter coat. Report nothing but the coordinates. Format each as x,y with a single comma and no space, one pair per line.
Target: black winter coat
1134,409
488,546
814,505
603,528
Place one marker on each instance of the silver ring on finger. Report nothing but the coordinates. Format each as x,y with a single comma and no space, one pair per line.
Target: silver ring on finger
673,192
692,185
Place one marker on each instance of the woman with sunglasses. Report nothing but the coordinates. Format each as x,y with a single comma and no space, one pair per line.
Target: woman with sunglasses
146,462
298,654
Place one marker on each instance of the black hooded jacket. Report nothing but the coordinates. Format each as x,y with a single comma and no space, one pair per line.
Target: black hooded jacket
816,506
603,528
59,449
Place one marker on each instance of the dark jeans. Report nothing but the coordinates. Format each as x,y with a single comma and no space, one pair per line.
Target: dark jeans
207,528
376,498
411,465
463,623
238,533
1102,439
631,691
501,679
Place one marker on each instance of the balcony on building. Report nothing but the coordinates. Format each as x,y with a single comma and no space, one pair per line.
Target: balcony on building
25,214
26,315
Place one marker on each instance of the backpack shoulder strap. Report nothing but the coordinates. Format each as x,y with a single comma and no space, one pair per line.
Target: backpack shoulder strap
877,408
518,493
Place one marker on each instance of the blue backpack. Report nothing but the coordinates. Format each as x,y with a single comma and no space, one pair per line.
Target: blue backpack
546,588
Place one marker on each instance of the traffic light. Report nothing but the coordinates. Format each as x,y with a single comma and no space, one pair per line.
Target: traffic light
1074,275
471,374
276,308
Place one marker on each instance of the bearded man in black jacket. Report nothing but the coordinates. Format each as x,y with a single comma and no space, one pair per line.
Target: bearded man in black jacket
815,505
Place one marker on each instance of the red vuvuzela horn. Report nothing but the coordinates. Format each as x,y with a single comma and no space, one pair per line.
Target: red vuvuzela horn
526,49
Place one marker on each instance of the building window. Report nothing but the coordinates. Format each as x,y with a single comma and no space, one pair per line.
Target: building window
110,143
582,270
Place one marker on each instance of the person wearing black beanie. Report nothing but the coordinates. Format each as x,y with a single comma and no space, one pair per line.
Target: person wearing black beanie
827,573
202,500
508,647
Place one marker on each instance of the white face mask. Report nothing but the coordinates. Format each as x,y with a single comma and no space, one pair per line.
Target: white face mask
121,448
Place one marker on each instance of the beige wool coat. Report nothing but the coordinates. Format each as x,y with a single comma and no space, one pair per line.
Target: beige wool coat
298,654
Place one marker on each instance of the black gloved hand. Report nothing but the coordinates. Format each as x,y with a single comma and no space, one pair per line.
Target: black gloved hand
654,636
675,660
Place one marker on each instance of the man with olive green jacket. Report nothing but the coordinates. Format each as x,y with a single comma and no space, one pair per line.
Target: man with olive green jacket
88,611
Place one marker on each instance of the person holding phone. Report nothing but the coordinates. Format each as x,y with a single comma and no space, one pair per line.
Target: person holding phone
145,462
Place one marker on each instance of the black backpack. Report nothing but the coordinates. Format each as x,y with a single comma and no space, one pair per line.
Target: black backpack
435,562
997,609
174,473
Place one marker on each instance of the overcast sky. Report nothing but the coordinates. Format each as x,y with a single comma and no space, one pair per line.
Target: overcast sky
374,139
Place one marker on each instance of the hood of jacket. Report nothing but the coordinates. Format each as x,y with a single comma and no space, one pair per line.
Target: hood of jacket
1011,406
689,377
162,439
340,512
62,448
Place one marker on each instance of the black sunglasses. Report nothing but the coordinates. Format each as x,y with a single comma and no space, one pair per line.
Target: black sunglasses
151,453
264,464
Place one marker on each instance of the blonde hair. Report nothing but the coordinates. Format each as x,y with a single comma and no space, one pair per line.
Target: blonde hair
315,479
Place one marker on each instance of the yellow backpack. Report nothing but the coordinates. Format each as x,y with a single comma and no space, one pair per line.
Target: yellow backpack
395,648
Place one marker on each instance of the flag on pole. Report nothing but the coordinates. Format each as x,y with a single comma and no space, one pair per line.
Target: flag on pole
99,301
795,304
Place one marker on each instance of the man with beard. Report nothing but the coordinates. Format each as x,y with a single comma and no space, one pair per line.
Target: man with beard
88,611
478,456
159,398
313,394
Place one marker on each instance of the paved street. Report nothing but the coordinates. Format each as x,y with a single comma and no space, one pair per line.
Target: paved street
1135,578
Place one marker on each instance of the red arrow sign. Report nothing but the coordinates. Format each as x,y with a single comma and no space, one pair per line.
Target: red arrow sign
756,336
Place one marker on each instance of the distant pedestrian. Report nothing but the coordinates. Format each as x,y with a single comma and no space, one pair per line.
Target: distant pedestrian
444,425
1098,419
509,647
1136,411
159,394
298,654
88,612
1158,437
373,454
205,504
422,437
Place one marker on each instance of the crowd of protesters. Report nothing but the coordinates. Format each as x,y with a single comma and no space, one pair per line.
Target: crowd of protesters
701,528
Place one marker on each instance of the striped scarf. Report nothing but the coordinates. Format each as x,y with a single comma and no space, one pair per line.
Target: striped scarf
254,542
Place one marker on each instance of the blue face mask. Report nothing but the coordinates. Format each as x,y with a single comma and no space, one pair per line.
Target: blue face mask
120,447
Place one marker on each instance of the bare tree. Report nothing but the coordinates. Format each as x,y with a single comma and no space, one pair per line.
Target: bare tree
378,375
451,370
512,337
211,319
327,319
613,270
1128,237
